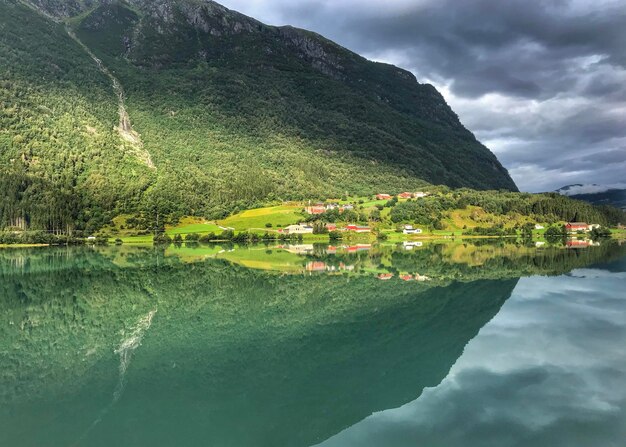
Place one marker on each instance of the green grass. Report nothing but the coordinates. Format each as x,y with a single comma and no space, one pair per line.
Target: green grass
140,240
283,215
193,226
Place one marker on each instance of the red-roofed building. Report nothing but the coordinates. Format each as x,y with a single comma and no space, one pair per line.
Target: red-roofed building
405,195
574,227
383,196
331,227
358,228
317,209
385,276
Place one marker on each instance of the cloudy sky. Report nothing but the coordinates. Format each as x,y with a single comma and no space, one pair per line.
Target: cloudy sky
541,82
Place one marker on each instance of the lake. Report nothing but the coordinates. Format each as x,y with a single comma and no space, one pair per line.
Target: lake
455,344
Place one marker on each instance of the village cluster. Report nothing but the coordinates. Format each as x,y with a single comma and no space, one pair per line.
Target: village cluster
321,208
308,229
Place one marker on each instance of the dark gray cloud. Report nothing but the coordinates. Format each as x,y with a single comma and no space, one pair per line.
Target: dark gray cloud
537,81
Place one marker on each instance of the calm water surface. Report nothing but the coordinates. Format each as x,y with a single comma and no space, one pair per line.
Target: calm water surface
438,345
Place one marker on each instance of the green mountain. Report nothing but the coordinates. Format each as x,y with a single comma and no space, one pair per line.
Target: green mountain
187,107
596,194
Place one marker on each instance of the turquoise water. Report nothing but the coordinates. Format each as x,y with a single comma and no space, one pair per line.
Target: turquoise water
440,345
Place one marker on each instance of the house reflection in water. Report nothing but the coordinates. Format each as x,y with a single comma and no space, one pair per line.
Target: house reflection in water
581,243
320,266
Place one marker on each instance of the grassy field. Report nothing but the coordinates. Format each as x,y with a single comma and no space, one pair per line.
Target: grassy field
140,240
278,216
474,216
190,225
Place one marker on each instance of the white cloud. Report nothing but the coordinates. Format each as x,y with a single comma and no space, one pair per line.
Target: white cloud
591,189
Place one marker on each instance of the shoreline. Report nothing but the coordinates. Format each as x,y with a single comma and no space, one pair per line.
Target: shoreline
24,245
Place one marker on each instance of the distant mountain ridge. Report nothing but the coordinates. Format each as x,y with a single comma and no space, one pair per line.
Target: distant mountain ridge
596,194
190,108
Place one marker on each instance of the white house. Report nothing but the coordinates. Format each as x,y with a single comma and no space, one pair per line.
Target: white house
539,227
298,229
408,229
420,195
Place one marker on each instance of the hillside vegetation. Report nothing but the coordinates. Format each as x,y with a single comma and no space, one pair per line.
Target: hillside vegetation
229,112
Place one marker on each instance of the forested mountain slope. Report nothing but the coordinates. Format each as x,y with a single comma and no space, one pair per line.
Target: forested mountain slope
219,110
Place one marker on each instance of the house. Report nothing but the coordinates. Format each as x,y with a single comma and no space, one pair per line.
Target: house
574,227
315,210
298,229
408,229
348,207
383,197
406,277
332,206
539,227
385,276
405,195
411,245
331,227
420,195
358,228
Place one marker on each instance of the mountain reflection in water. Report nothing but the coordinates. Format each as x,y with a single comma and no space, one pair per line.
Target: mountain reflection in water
250,345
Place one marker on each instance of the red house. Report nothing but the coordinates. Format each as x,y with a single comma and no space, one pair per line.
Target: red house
383,197
318,209
574,227
405,195
358,228
385,276
331,227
